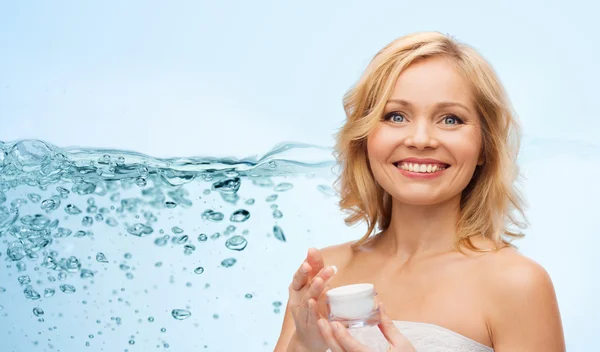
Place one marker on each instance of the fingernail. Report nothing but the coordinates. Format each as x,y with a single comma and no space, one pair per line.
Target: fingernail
335,269
303,268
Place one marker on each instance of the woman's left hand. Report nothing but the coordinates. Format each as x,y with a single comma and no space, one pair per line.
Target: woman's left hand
338,339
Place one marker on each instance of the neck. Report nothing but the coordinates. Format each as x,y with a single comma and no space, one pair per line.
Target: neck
417,230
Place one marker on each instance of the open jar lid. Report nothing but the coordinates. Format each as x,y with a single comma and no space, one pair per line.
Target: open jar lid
350,292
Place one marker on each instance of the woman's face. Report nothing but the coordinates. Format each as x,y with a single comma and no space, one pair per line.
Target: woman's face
427,144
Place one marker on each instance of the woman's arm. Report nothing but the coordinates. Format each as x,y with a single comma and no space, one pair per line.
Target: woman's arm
524,313
287,331
287,339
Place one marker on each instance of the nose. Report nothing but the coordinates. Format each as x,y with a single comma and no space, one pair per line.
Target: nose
420,136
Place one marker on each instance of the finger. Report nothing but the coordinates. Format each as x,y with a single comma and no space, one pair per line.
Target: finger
346,340
318,283
328,277
306,310
326,287
313,311
314,291
307,314
315,259
327,272
328,336
301,277
389,330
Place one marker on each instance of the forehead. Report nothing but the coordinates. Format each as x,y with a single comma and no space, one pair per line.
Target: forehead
430,81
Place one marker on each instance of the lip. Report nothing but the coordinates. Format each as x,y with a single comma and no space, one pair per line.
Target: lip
421,175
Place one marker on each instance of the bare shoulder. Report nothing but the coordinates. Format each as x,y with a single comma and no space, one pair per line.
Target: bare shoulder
338,255
508,269
522,309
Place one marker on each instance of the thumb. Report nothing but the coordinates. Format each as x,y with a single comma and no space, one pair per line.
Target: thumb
389,330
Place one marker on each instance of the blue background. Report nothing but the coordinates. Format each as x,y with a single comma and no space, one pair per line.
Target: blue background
233,78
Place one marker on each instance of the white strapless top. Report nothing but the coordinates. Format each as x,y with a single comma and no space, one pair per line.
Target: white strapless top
423,336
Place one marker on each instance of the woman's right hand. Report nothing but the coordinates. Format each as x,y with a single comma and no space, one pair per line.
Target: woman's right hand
309,281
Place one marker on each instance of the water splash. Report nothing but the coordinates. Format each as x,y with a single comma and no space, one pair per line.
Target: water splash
66,211
236,243
117,242
180,314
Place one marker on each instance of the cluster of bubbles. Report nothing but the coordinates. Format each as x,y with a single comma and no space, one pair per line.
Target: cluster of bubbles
43,187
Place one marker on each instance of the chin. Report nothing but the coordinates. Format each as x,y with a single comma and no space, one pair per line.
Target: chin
420,199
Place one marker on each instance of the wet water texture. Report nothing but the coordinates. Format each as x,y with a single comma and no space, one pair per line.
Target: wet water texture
112,250
123,246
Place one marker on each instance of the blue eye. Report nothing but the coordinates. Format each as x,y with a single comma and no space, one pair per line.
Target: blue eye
452,120
399,117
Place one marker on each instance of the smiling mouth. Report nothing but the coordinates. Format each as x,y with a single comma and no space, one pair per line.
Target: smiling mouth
421,168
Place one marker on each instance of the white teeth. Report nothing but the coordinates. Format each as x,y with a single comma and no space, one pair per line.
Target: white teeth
420,168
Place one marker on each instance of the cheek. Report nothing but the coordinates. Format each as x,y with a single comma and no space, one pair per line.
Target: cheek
467,148
373,145
470,155
379,143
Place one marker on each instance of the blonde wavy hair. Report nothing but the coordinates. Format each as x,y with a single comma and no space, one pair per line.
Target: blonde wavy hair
489,201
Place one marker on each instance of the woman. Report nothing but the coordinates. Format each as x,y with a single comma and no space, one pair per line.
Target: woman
428,156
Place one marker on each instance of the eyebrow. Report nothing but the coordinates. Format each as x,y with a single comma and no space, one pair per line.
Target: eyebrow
443,104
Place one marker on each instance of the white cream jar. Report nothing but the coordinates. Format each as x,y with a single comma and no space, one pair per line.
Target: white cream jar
353,305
